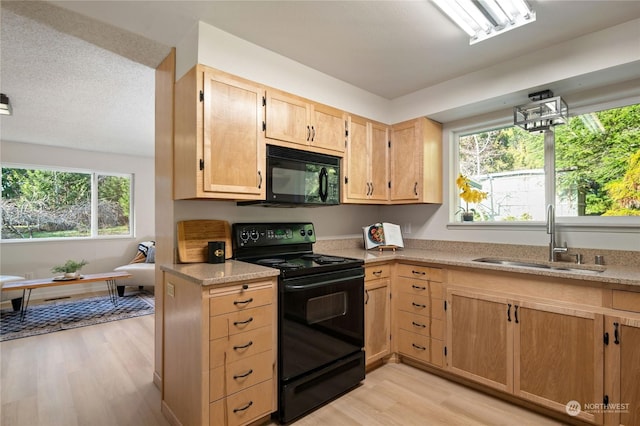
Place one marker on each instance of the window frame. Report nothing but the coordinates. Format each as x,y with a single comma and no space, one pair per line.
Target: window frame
94,174
625,224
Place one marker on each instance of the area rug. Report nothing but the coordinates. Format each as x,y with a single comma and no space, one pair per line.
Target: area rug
62,315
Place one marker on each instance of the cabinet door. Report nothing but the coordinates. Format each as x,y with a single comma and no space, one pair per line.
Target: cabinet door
356,185
327,128
234,150
377,320
558,356
622,370
287,118
405,157
379,162
480,339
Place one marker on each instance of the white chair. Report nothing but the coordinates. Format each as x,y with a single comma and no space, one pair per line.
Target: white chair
142,268
143,275
15,301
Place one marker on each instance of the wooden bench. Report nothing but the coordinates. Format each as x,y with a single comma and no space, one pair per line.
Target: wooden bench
28,285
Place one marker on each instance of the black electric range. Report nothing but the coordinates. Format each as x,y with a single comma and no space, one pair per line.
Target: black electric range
320,314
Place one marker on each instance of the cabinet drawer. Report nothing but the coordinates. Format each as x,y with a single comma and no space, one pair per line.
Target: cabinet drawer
377,271
419,305
240,375
416,286
420,272
243,407
626,300
240,346
414,345
414,323
420,347
240,300
240,322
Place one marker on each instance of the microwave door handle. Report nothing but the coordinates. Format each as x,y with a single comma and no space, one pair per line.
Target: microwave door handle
324,182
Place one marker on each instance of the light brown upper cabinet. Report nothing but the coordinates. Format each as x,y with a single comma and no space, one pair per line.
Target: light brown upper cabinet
296,122
219,147
366,165
416,162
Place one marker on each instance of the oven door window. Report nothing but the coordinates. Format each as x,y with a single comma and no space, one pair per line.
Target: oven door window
324,308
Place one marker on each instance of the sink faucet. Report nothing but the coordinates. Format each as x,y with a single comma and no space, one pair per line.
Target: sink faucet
551,230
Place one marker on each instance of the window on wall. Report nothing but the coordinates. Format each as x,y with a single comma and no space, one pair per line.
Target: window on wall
39,203
597,168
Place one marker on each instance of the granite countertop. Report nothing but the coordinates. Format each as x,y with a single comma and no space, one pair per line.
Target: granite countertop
611,274
209,274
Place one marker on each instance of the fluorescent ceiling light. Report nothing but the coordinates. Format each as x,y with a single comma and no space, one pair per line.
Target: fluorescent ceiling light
483,19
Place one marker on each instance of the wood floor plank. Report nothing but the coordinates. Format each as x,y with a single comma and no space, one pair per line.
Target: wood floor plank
102,375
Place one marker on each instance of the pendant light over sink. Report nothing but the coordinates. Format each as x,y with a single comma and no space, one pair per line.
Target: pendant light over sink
542,113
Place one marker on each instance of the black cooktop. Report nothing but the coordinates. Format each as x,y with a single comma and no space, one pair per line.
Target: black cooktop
287,247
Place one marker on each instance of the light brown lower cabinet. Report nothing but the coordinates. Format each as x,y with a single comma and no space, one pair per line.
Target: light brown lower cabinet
622,370
377,313
219,352
547,354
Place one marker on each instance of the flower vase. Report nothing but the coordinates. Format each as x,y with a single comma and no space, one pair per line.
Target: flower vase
467,217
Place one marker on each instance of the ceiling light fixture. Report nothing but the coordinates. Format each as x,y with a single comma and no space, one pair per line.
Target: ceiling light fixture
483,19
5,106
544,112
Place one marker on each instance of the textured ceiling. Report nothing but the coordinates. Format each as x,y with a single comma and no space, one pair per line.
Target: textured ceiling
80,73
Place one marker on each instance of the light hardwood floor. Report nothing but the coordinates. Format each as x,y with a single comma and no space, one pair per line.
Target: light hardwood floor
102,375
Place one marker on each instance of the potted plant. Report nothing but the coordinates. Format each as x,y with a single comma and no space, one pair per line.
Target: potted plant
70,268
468,195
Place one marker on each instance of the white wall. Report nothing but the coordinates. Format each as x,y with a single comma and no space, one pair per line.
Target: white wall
38,257
330,222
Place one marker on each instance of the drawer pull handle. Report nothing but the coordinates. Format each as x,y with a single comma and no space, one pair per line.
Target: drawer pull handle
377,273
418,324
417,305
417,287
246,407
243,302
237,323
418,272
616,333
240,376
243,346
420,348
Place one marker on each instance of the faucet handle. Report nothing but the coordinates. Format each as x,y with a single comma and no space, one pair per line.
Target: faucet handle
577,256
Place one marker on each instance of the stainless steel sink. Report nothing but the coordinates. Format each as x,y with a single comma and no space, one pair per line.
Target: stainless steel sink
535,265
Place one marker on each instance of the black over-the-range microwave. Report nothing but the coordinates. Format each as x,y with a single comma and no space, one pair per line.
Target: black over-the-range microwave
300,178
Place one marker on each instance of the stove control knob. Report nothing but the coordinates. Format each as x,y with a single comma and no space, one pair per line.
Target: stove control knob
254,235
310,232
302,232
244,236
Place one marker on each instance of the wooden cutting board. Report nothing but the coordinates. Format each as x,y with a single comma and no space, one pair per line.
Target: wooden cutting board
194,237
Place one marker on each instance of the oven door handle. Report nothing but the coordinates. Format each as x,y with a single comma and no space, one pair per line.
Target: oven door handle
303,287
